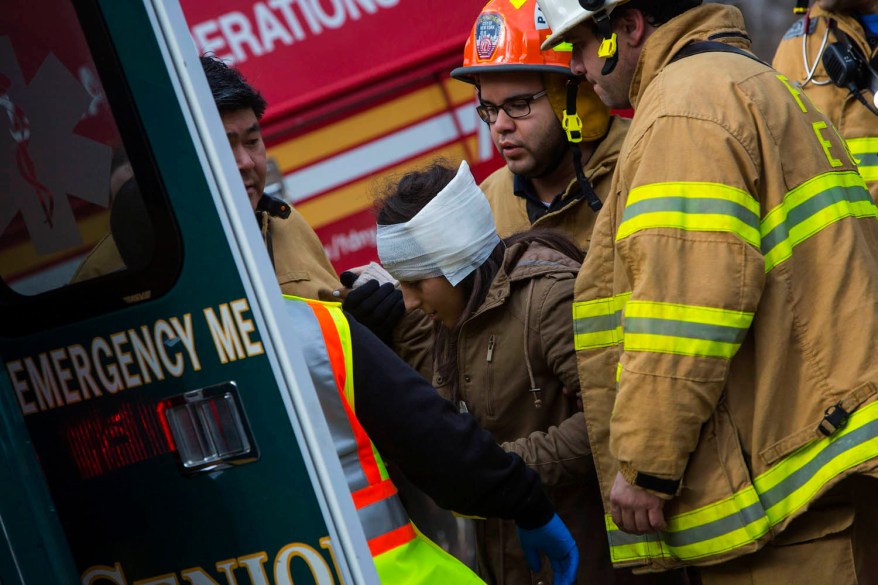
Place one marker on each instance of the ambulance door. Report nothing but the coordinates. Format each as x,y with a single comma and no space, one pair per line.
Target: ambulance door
157,421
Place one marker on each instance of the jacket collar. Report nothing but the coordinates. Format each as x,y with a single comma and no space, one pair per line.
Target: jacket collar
722,23
525,261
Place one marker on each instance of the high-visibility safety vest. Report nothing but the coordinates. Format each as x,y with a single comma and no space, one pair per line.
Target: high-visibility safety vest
400,552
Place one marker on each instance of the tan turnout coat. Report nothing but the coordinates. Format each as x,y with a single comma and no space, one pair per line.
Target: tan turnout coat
728,301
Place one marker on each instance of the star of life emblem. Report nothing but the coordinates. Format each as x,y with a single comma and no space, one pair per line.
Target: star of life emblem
41,158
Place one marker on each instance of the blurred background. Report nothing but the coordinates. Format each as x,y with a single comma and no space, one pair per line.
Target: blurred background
767,21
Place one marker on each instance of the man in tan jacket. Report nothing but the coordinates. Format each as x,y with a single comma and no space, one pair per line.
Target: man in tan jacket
725,316
523,95
852,27
298,257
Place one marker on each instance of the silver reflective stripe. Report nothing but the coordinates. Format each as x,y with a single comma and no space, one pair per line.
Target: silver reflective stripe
806,473
320,368
382,517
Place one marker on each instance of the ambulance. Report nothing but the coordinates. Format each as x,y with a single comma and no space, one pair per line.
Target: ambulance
157,423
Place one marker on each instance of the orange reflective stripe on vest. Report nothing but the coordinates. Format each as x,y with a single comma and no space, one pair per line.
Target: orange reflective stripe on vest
335,351
383,517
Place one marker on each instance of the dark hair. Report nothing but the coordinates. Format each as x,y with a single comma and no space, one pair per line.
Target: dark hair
658,12
230,90
400,199
403,200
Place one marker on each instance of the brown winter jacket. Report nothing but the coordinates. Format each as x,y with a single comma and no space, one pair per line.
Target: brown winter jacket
526,319
856,123
300,262
726,313
576,219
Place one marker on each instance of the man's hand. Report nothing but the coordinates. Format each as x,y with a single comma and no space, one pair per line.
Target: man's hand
554,540
635,510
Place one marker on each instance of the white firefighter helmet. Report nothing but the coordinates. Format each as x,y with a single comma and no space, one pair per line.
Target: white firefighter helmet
564,15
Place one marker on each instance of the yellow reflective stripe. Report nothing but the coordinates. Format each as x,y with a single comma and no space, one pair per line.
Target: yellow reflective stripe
684,329
711,530
794,481
629,547
747,516
710,513
865,150
708,207
598,323
344,333
624,548
809,208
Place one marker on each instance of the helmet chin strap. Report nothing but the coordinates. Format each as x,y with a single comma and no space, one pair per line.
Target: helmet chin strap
609,48
573,127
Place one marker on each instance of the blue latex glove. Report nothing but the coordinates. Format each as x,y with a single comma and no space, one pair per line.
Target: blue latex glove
554,540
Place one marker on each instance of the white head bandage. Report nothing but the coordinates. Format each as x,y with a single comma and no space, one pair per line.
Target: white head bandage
451,236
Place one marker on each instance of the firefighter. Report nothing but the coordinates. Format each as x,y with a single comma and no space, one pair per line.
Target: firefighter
844,32
553,178
725,315
296,253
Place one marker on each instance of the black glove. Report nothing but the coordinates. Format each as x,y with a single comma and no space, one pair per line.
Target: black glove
347,279
379,308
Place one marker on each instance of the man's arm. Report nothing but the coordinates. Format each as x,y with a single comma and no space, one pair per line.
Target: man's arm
688,240
445,453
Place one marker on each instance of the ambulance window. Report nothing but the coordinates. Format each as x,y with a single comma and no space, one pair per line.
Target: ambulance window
82,208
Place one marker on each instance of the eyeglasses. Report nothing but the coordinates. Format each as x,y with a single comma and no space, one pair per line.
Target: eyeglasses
514,108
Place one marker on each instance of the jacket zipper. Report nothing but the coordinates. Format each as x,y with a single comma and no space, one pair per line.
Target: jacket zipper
490,349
